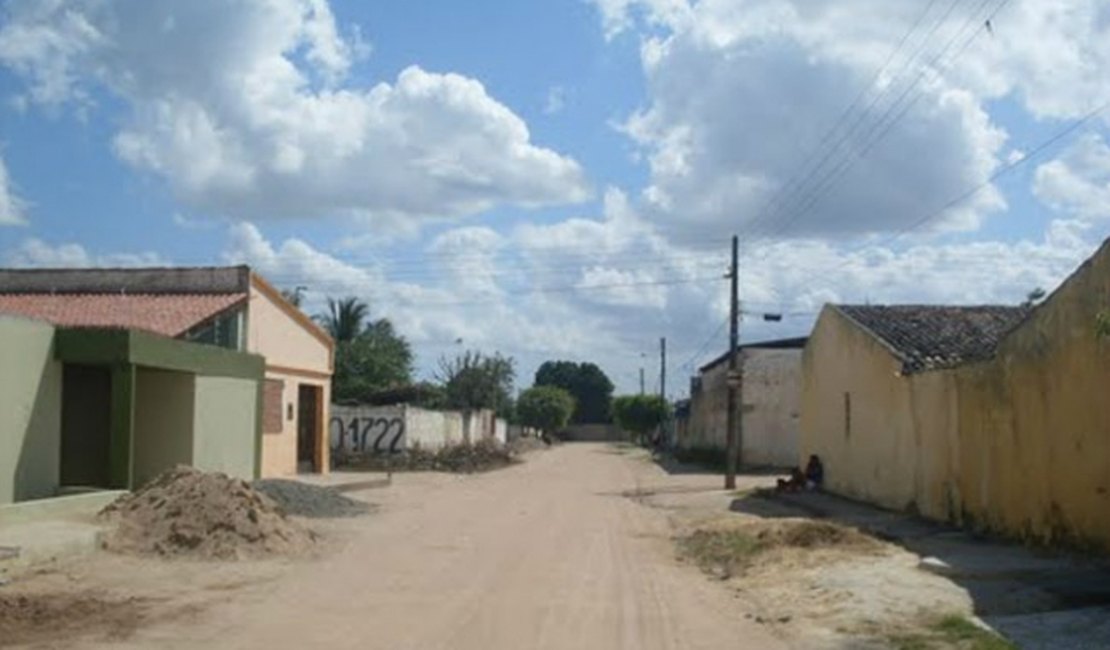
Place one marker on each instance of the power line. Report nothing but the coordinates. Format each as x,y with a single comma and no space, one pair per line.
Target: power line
999,173
802,174
882,127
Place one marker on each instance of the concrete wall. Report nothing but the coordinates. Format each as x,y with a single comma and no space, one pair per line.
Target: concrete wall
772,397
381,429
294,355
432,429
225,434
1034,444
30,419
164,409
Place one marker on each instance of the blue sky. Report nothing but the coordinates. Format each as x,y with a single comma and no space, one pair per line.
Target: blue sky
556,179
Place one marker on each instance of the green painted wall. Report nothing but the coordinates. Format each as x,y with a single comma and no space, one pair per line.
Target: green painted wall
30,420
163,433
226,426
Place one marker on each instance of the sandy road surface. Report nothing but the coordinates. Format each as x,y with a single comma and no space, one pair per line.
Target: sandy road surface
544,555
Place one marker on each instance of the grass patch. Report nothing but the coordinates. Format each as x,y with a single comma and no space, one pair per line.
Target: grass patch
952,632
727,552
721,553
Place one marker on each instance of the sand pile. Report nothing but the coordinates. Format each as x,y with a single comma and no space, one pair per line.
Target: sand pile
188,513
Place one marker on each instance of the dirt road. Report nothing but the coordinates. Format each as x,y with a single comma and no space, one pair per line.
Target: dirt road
545,555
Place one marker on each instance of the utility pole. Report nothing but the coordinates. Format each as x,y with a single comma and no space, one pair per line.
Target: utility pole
663,384
663,368
641,380
734,379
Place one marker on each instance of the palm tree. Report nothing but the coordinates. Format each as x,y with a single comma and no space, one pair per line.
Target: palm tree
345,318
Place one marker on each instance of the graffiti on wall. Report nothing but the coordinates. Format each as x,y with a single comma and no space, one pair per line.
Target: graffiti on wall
368,433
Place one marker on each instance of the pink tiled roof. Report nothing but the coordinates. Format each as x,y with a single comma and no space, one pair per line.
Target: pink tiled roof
166,314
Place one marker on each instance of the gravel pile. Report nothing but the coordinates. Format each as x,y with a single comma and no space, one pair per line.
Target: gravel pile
524,445
313,501
465,458
185,512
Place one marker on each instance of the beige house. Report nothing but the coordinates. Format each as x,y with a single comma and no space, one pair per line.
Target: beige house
771,392
993,417
229,307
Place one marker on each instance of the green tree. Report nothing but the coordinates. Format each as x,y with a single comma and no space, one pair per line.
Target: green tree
473,380
586,382
294,296
640,414
1034,297
546,408
377,358
345,318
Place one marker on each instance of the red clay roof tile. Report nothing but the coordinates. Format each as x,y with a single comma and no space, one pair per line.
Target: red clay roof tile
169,315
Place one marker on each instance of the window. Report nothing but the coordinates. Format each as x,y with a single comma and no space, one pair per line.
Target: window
223,331
271,405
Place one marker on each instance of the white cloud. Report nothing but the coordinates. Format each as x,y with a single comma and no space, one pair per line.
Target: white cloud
12,208
34,252
556,100
252,115
191,223
742,94
1078,182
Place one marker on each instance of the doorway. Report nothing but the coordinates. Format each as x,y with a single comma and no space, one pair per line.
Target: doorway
86,426
308,427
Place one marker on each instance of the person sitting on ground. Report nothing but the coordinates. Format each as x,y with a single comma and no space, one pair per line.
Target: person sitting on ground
815,473
797,481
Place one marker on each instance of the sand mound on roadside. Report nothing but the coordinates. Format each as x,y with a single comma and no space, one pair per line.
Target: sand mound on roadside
185,512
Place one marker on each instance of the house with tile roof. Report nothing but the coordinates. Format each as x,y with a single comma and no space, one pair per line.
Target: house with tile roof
992,417
232,308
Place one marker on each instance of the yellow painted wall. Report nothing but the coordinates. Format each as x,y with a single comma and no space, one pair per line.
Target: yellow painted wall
294,355
274,334
163,434
1019,444
224,425
1035,422
30,415
279,450
872,453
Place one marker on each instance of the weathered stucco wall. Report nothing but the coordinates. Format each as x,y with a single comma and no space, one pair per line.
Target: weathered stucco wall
163,433
225,431
30,419
772,393
857,415
1019,444
1035,422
